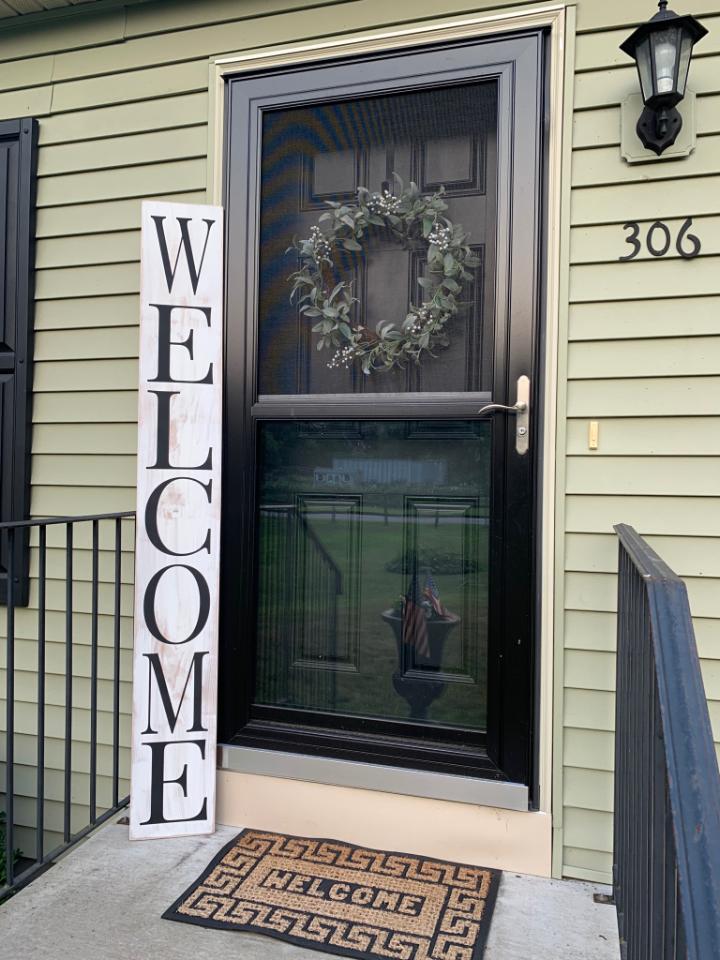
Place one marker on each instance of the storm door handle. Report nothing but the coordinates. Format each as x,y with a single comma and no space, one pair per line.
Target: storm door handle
521,408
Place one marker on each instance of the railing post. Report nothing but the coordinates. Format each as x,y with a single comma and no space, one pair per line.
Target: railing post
67,826
94,669
42,583
116,664
10,717
667,814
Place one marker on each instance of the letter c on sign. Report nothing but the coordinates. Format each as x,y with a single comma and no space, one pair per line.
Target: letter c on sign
149,603
151,511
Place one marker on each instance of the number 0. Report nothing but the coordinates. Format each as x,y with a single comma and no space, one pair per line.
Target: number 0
658,251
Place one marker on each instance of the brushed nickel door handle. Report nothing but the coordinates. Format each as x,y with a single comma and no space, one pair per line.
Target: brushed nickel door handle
521,408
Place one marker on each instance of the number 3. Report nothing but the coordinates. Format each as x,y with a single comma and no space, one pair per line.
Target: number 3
634,229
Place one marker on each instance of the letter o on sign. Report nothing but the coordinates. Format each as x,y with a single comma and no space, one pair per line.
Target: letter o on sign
149,603
362,896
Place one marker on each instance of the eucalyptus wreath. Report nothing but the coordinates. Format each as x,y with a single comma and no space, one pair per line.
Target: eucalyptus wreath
416,221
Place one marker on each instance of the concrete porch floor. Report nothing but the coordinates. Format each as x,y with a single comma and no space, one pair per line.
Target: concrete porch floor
104,901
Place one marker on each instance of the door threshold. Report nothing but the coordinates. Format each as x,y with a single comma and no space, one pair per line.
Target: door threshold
372,776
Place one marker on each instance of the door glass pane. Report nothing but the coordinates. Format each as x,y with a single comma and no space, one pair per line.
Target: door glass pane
442,138
373,566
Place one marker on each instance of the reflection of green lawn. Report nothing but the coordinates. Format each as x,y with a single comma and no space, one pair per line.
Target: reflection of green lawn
366,641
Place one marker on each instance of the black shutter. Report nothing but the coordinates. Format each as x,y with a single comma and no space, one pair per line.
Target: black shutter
18,163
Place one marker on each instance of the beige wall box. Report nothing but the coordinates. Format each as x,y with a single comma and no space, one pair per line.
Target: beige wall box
632,149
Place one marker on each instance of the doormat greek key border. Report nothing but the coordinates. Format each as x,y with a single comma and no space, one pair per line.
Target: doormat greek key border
339,898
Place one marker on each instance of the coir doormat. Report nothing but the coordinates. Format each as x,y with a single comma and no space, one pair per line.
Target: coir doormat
342,899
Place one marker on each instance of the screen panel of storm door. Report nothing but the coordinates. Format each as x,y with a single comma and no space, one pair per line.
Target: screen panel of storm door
383,520
441,139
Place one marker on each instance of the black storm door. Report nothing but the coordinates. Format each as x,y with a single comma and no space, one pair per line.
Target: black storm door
378,533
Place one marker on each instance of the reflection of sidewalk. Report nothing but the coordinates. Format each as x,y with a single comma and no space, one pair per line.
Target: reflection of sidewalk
367,517
399,518
104,901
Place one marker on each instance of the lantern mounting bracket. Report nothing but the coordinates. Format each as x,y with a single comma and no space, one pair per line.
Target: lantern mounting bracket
659,129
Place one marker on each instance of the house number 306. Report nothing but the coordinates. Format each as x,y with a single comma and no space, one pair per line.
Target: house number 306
659,239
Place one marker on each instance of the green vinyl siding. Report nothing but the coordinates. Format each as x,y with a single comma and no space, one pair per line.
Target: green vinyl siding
122,99
644,360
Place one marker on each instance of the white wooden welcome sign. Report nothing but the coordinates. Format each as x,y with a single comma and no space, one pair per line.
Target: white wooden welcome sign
178,522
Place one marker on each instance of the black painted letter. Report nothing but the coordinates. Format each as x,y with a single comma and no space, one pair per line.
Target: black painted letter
151,511
164,343
163,436
170,271
195,668
158,781
149,603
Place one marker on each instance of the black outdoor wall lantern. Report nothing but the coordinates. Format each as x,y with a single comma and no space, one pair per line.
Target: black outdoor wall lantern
662,48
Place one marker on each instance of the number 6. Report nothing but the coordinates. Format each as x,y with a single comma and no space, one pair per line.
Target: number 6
696,246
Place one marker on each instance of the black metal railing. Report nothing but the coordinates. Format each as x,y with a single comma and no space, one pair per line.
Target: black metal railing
667,787
54,618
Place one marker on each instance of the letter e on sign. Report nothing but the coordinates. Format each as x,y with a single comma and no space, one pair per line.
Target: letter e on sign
178,522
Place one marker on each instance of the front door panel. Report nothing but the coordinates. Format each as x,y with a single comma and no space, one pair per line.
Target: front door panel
378,576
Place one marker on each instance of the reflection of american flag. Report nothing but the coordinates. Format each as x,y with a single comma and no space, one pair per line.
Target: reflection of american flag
414,620
430,592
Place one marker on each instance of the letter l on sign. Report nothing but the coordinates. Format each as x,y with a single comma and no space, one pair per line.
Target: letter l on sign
175,657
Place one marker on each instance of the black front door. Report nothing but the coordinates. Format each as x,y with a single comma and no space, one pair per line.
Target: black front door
383,233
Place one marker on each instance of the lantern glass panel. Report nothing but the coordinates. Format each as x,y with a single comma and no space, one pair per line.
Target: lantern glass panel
642,56
665,48
685,53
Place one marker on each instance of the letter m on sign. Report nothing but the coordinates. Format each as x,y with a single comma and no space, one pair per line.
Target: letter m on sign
178,522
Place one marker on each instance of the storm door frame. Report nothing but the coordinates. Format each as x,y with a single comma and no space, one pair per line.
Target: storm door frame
511,734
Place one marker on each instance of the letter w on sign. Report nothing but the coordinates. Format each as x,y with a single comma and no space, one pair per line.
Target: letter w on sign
178,522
